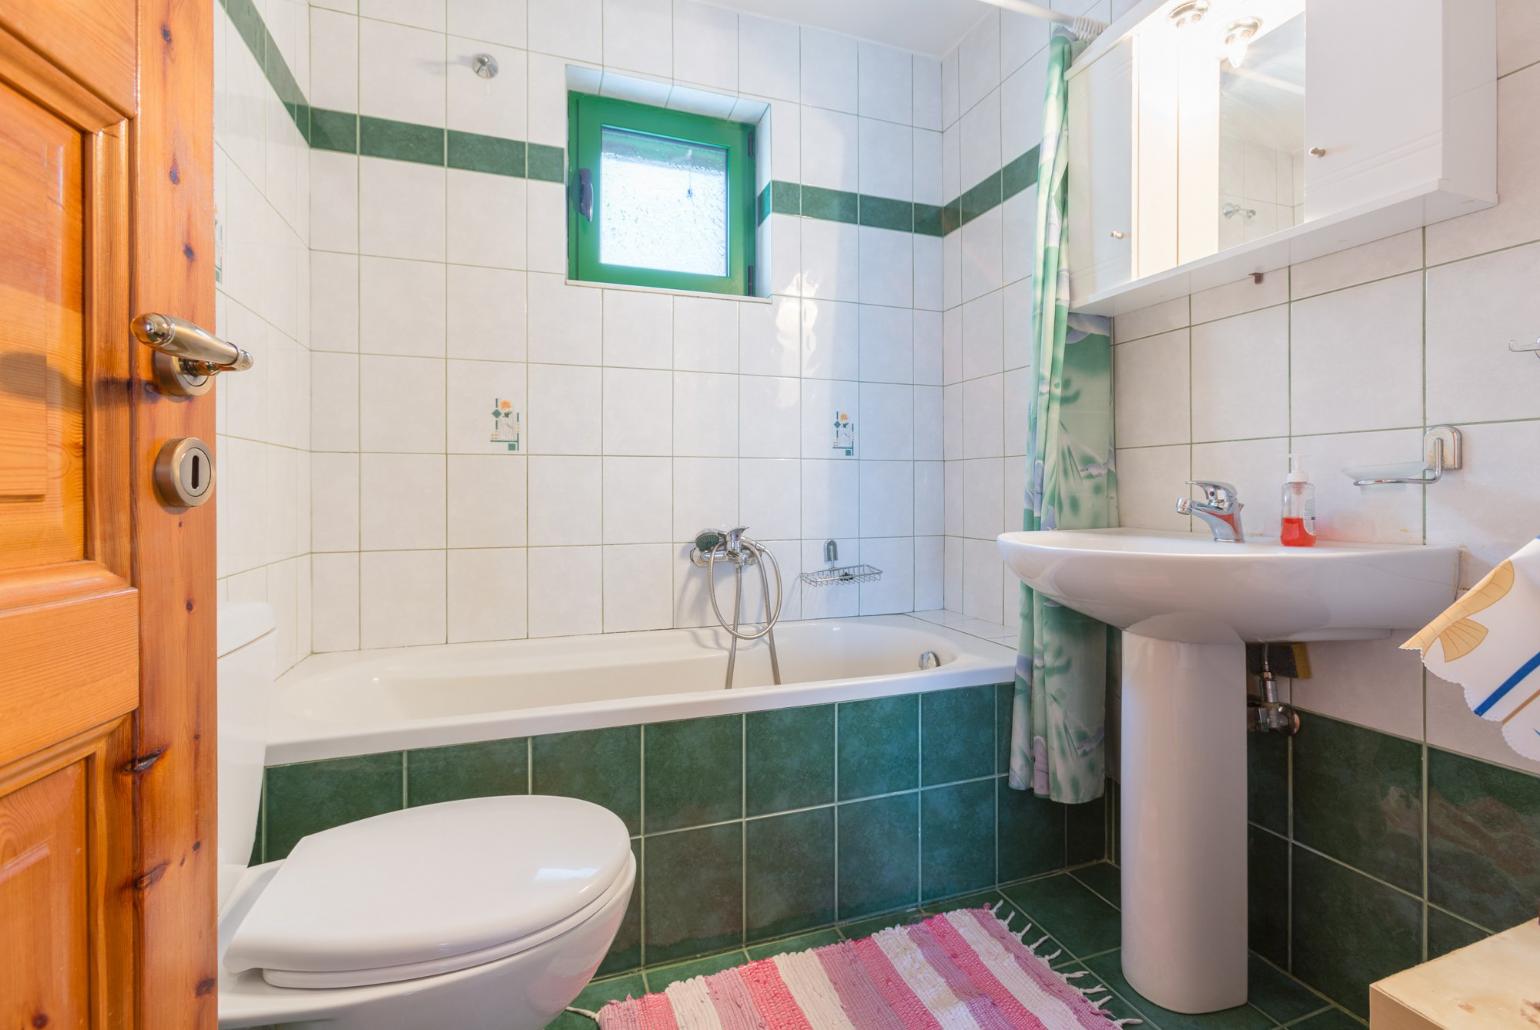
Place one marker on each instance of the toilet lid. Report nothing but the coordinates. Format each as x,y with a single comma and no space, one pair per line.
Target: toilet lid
423,886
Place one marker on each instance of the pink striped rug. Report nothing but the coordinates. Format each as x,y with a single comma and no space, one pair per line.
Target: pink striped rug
965,970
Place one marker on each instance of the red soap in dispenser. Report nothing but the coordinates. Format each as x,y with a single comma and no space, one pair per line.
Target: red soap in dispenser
1298,507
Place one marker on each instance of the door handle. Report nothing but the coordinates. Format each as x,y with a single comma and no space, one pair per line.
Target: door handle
585,198
187,355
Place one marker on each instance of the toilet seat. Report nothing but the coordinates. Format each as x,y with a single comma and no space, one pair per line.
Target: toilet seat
431,890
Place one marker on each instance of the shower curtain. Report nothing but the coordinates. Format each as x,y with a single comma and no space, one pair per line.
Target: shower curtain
1059,709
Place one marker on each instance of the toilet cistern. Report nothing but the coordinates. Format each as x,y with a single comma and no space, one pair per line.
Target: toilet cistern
1220,507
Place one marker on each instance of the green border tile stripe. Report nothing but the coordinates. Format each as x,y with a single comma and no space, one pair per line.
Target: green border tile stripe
348,133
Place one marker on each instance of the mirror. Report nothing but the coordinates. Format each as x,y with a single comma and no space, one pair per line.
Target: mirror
1261,128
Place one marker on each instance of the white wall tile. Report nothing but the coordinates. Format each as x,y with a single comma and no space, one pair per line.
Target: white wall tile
565,322
401,307
822,400
567,28
1256,468
770,337
485,219
770,417
831,499
487,594
982,580
566,591
770,497
488,500
638,329
1491,513
705,494
334,402
705,334
983,336
1157,318
638,500
334,313
565,501
1377,514
638,587
828,70
705,414
1381,259
886,158
705,45
564,410
638,411
1476,308
927,92
402,501
398,206
979,64
639,36
831,265
491,107
983,498
887,422
1237,298
1150,480
885,83
334,498
830,148
487,313
401,598
334,77
401,73
334,602
887,343
498,21
894,592
983,417
1357,358
887,266
768,57
1153,379
1240,371
401,403
473,390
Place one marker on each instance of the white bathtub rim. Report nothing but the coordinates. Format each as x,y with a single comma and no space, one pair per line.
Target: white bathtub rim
979,663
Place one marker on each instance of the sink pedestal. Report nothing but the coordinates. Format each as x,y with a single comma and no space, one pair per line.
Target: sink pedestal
1183,820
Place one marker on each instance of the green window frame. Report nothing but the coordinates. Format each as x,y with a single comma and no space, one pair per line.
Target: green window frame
587,117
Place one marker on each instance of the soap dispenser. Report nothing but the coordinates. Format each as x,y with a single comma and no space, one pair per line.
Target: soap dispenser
1298,507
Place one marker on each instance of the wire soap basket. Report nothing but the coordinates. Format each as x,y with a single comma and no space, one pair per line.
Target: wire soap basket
841,574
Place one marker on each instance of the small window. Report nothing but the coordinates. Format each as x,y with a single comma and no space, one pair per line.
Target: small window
660,198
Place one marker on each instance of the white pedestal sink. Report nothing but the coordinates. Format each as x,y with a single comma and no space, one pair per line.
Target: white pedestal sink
1187,605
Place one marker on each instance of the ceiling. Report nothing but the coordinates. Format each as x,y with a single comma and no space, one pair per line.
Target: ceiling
927,26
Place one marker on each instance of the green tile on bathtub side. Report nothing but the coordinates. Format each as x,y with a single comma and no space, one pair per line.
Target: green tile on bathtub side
625,951
957,733
957,838
483,769
308,797
1005,699
789,762
1085,830
789,873
1031,838
694,772
879,746
602,766
878,846
694,892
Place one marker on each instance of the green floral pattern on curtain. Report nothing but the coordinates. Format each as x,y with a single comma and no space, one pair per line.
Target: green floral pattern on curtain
1058,719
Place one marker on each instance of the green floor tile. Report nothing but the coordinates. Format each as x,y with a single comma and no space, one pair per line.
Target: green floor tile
975,899
1112,1004
602,766
659,977
483,769
957,729
789,873
694,893
1279,995
1353,932
1243,1017
879,746
1358,798
1104,878
308,797
957,838
791,945
595,996
878,855
788,759
1331,1019
1066,908
694,772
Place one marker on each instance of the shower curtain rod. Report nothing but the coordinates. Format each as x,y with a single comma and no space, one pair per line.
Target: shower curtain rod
1085,28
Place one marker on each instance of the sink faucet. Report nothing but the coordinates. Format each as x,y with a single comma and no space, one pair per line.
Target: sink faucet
1220,506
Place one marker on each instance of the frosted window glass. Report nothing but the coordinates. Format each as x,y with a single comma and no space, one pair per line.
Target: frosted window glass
663,203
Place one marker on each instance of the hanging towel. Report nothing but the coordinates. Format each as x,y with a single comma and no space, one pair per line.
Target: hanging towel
1489,643
1058,713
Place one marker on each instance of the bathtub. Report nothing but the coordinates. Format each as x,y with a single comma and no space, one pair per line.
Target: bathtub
364,702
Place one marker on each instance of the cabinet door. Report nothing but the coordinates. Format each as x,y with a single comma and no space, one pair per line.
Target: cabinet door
1373,101
1101,189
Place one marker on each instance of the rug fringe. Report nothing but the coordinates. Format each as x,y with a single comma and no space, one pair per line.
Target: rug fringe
582,1012
1127,1022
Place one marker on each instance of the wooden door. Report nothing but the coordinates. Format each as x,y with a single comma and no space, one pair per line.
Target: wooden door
107,853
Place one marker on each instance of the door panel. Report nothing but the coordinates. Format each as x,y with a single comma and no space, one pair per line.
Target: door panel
106,595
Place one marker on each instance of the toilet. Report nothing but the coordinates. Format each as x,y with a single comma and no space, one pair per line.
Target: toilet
484,913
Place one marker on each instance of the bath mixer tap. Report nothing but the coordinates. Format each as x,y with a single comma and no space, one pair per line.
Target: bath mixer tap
1219,506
